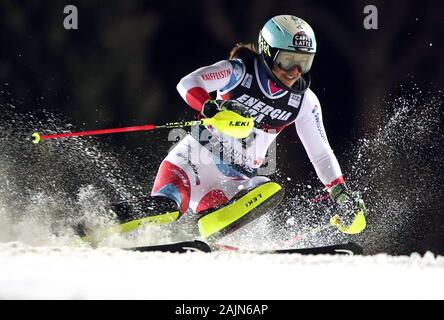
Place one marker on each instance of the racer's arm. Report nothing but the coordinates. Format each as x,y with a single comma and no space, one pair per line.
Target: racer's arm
310,129
351,218
195,88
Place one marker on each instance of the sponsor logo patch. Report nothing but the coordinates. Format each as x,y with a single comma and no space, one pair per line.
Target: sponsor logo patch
216,75
259,109
300,39
294,100
247,81
315,109
237,70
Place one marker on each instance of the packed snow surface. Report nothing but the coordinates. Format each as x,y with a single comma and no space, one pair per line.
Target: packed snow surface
49,188
28,272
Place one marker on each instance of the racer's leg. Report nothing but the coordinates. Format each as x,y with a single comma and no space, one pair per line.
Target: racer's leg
216,190
184,177
170,194
173,182
234,200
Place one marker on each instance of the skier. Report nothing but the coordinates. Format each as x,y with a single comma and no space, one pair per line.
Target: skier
216,176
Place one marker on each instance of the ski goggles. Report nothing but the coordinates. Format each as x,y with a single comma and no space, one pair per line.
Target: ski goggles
287,60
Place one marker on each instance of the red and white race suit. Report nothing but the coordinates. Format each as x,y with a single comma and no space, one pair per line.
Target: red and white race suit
207,169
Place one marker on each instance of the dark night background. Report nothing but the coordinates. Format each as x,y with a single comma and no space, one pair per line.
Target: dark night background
121,67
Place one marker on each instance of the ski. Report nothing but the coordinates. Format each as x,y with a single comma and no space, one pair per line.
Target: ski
200,246
178,247
341,249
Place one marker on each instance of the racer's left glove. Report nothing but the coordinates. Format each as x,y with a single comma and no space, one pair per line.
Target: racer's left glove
351,219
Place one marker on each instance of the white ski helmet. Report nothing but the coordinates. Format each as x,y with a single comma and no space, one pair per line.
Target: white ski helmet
287,41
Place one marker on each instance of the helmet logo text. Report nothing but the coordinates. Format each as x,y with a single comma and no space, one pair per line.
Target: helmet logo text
302,40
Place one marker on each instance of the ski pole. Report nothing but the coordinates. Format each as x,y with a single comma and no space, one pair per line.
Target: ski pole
303,235
37,137
228,122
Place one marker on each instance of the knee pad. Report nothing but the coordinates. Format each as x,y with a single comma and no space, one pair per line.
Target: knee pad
239,211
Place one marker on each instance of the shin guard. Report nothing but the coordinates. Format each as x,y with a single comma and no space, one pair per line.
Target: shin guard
239,211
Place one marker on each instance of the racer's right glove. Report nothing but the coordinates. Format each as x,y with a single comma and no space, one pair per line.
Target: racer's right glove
212,107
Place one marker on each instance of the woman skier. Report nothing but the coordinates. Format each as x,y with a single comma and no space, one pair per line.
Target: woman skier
218,176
